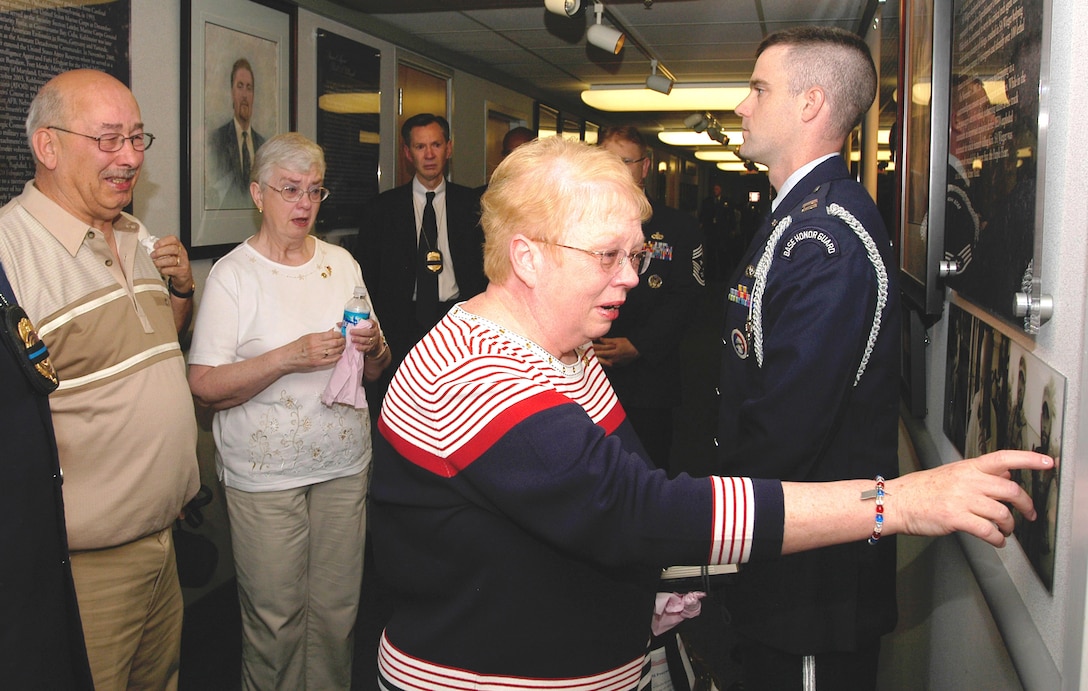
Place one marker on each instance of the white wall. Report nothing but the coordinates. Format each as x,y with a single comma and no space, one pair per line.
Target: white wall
1044,632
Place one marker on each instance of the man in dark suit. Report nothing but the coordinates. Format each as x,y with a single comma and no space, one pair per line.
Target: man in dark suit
401,263
233,145
641,352
810,363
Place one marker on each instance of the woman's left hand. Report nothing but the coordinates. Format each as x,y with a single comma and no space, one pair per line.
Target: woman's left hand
367,338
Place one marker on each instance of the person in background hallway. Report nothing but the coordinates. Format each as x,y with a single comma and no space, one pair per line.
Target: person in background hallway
233,145
123,416
415,274
722,242
519,525
515,138
810,363
41,636
294,470
641,353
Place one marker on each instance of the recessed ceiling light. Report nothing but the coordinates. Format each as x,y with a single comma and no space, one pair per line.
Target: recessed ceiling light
634,98
689,138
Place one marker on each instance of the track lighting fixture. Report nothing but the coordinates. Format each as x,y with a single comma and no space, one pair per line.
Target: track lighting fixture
604,37
658,82
705,122
698,121
566,8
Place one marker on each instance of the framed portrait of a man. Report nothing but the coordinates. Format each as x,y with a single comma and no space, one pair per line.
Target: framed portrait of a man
239,92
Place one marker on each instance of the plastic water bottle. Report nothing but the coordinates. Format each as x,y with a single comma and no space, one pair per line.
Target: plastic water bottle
357,310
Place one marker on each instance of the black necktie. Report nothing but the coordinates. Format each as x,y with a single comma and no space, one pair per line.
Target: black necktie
245,158
426,276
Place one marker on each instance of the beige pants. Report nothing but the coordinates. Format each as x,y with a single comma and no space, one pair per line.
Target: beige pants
299,558
131,606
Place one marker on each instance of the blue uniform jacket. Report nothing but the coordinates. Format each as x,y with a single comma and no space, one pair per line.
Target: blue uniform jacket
658,310
809,386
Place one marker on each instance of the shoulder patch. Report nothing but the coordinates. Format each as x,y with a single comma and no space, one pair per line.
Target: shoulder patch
811,235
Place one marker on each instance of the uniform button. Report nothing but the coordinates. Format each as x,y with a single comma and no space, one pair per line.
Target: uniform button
724,342
90,235
717,392
715,442
109,262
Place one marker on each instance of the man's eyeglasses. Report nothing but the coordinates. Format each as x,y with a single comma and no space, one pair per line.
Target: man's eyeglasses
629,161
292,194
114,141
614,260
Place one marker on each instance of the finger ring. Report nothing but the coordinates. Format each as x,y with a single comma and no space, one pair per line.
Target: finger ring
177,260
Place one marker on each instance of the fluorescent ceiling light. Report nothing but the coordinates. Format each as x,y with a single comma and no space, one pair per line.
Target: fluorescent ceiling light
738,166
719,154
358,102
629,98
689,138
881,155
995,92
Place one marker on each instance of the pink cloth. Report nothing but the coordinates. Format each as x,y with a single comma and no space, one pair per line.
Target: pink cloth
346,383
672,608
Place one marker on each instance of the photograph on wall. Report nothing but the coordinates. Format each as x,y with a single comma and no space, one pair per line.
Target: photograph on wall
236,94
994,152
999,395
40,43
241,85
348,127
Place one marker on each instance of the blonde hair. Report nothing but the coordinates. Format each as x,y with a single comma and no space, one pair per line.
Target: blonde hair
549,188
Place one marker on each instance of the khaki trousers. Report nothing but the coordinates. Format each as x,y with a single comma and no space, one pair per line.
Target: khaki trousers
131,606
298,554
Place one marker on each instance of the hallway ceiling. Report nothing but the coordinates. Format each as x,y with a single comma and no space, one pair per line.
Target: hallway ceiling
520,45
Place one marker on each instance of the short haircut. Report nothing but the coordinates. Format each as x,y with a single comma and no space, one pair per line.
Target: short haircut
625,133
242,64
422,120
837,61
290,151
49,107
550,188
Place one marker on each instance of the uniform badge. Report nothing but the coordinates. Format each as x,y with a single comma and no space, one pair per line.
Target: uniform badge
740,344
810,235
810,205
749,271
654,281
740,295
30,351
657,236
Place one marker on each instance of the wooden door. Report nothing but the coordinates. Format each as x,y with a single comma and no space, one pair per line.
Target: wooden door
417,92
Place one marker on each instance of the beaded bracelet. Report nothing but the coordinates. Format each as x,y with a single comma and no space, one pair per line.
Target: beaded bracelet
877,494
